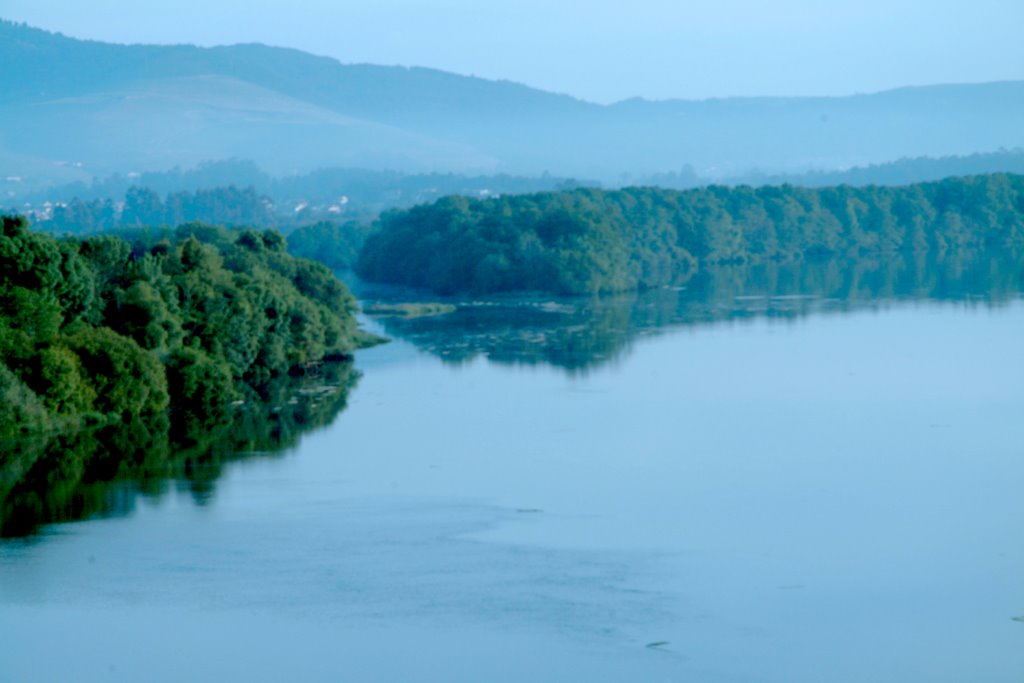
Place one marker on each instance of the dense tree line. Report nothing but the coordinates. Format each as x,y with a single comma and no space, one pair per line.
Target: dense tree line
591,241
336,245
561,242
110,329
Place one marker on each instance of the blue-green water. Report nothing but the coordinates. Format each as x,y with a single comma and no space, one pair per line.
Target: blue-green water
787,489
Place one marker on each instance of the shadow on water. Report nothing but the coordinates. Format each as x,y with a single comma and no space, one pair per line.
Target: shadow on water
578,334
104,472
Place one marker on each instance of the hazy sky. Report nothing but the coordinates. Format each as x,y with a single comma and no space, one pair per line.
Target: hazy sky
601,50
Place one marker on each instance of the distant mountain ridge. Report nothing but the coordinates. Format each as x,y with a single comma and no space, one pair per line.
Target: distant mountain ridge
118,108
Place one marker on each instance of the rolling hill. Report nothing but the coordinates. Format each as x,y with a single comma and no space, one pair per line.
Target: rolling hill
72,109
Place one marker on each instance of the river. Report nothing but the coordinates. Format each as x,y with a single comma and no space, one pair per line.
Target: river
776,476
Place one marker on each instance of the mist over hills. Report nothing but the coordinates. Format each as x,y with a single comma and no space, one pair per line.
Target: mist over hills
73,109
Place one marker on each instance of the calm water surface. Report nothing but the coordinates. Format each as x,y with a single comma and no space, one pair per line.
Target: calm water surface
751,486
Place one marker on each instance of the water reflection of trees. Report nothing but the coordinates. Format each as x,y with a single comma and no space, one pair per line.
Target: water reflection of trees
71,476
579,334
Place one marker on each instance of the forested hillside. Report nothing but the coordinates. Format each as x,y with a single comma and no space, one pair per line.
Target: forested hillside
901,171
106,329
589,241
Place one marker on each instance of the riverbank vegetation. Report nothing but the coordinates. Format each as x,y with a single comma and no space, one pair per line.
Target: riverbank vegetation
156,325
592,241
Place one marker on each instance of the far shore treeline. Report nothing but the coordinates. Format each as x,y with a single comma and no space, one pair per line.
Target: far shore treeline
156,326
590,241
